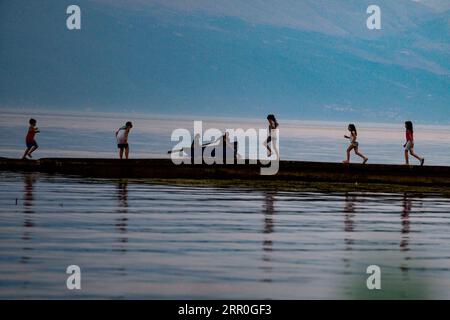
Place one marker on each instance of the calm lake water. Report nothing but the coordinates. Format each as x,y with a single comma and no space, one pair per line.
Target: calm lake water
135,239
138,239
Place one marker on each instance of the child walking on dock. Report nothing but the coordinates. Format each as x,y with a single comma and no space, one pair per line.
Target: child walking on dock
409,145
122,139
30,140
354,145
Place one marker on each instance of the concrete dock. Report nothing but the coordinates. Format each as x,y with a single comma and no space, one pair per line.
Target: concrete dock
288,171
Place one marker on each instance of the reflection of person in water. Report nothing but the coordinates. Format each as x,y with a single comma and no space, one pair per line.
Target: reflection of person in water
122,220
28,224
349,211
269,211
407,206
406,228
349,225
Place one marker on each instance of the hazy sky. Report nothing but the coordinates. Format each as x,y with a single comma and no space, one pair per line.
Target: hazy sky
310,59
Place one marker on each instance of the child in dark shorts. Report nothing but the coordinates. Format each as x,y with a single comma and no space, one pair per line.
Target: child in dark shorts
122,139
30,140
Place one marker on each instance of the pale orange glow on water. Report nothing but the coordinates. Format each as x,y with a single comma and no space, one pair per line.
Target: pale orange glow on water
85,134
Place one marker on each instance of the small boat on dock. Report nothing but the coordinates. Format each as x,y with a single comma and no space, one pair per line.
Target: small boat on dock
289,171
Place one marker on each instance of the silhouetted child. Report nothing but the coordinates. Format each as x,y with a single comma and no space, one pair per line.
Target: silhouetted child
30,140
409,145
271,139
354,145
122,139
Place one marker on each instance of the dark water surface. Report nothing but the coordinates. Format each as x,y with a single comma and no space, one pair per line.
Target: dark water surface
142,240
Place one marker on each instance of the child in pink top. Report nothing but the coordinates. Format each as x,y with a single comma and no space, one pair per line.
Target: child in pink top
409,145
30,140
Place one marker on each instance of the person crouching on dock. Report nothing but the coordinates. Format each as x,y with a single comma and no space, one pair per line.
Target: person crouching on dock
354,145
271,139
122,139
29,140
409,145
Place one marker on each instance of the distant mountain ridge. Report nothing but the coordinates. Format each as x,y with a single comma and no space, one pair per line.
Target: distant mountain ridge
303,60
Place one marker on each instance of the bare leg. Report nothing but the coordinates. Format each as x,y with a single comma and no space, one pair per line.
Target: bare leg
406,157
361,155
33,149
417,157
269,150
127,151
26,153
349,149
121,153
277,153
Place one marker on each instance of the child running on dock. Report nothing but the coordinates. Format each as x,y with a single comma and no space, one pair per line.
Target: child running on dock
271,139
122,139
409,145
30,140
354,145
